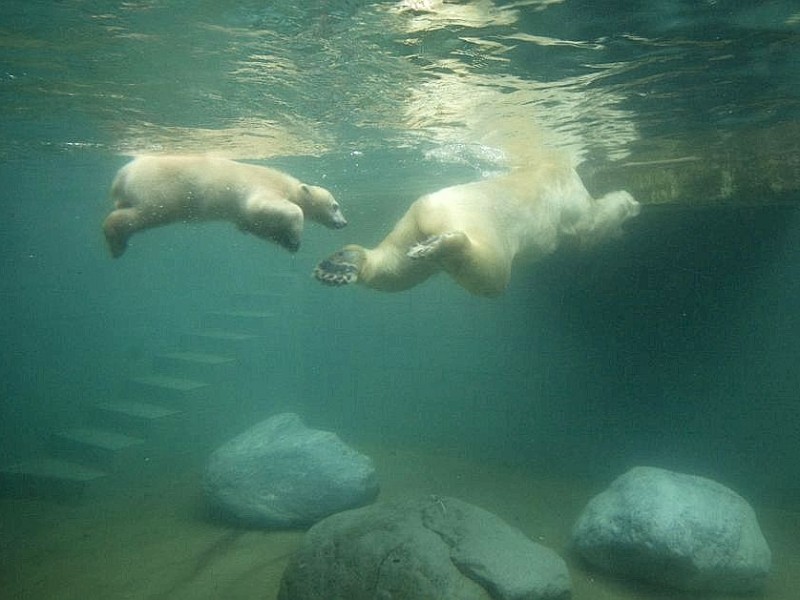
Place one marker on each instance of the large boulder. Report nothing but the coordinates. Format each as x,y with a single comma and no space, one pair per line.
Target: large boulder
280,473
678,530
436,548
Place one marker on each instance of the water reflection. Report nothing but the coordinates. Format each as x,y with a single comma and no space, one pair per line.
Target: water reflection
312,78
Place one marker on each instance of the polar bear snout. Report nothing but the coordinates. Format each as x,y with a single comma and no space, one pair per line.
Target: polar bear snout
332,218
330,214
338,221
319,205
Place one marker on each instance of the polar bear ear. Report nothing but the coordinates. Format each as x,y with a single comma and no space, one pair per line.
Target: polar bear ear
305,189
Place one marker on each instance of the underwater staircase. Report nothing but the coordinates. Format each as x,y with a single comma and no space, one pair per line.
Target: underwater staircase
167,418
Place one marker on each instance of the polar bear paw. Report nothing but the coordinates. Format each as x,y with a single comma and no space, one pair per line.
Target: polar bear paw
437,245
341,268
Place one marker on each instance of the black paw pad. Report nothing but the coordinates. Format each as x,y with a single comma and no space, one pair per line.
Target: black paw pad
331,272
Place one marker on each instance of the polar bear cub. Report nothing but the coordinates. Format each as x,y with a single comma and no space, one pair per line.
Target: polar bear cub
475,232
158,190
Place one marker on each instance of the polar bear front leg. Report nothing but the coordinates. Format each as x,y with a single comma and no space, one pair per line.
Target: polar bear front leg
274,220
341,267
118,227
439,246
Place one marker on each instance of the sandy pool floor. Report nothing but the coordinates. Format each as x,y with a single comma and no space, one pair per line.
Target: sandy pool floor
156,542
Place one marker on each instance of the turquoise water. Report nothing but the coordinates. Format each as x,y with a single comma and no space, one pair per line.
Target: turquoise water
675,346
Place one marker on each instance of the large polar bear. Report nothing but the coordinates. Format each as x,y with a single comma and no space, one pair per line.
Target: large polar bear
475,231
158,190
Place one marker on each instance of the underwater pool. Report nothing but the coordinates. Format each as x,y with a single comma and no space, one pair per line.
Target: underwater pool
673,345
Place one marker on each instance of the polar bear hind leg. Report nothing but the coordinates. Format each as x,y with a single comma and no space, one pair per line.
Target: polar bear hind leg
611,211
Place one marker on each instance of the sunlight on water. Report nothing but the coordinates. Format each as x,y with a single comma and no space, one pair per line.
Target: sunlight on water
254,81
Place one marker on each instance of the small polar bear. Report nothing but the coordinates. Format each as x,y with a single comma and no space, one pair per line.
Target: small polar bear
475,232
158,190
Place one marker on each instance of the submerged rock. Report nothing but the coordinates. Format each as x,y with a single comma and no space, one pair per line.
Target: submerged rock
679,530
281,473
436,548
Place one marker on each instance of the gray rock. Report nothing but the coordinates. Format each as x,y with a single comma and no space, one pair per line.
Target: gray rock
436,548
280,473
678,530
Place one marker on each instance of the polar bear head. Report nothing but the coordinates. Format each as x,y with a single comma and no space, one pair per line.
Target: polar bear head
319,205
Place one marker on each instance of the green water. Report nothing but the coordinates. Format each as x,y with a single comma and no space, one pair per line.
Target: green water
675,346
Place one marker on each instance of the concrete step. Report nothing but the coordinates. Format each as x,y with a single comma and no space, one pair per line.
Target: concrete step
51,479
107,450
213,368
170,390
243,346
138,419
172,436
